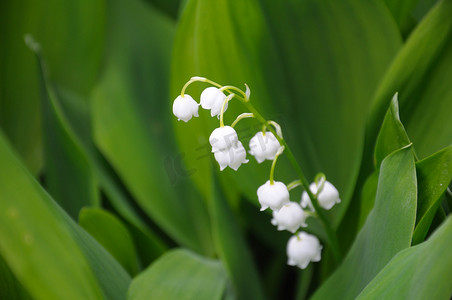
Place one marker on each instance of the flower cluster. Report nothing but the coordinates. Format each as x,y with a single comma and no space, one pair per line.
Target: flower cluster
266,144
302,247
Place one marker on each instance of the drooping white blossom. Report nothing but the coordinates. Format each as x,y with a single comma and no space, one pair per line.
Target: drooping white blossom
232,157
327,197
212,98
273,195
223,138
303,248
290,217
185,107
264,146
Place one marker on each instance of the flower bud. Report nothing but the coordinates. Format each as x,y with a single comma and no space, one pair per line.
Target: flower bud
223,138
212,98
273,195
290,217
302,249
184,108
264,147
327,197
232,157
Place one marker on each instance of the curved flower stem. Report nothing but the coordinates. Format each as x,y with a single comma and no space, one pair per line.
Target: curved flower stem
227,88
241,117
272,170
334,244
293,184
229,97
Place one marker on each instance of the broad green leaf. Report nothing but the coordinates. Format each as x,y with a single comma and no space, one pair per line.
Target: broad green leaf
48,253
420,272
311,65
401,11
72,37
112,235
67,114
232,249
392,134
420,73
131,123
434,174
422,8
10,287
69,175
169,7
368,195
180,274
387,230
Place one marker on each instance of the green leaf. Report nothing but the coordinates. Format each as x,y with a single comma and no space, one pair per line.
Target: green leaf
10,287
422,8
132,125
233,250
392,134
72,37
420,74
169,7
112,235
388,229
434,175
70,177
36,232
311,65
420,272
401,11
368,195
180,274
70,150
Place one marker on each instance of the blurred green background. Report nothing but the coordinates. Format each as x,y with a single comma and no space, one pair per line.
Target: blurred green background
89,115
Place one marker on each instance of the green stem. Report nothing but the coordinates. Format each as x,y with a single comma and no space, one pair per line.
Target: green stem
272,170
334,244
293,184
241,117
229,97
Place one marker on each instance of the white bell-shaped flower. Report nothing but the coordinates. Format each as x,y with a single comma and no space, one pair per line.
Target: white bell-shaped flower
212,98
223,138
327,197
264,147
290,217
302,249
273,195
185,107
232,157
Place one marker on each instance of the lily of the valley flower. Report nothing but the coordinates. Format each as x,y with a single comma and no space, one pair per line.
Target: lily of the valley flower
185,107
232,157
223,138
290,217
273,195
212,98
302,249
264,146
327,197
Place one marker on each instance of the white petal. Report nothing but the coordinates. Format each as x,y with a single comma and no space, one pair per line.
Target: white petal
327,197
223,138
303,248
273,195
264,146
209,97
184,108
